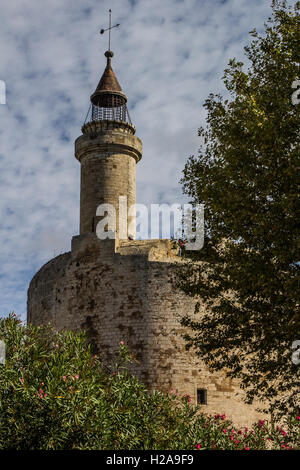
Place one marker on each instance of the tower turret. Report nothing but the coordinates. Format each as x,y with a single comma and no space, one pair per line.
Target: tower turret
108,152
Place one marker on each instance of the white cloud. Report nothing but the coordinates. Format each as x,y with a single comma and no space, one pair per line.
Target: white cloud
168,57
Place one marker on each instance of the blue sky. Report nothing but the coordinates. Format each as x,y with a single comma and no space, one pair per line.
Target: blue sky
169,55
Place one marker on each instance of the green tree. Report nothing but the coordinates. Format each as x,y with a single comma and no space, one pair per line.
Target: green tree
246,177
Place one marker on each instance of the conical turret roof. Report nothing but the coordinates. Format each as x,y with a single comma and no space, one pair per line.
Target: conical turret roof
108,92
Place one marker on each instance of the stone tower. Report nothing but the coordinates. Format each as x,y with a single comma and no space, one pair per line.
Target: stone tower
108,152
120,289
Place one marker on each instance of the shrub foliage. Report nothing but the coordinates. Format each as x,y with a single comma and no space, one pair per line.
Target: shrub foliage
55,394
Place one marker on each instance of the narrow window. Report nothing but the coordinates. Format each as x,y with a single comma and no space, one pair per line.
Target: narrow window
201,396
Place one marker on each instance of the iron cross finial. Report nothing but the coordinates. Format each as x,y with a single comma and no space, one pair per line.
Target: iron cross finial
109,29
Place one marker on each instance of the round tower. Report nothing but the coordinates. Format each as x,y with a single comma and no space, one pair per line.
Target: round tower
108,152
124,291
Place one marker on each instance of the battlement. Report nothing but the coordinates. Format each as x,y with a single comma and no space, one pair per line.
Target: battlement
155,249
89,245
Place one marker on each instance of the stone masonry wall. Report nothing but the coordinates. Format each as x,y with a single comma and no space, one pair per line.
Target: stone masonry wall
108,160
128,295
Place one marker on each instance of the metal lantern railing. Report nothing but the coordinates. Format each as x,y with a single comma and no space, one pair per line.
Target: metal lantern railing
100,113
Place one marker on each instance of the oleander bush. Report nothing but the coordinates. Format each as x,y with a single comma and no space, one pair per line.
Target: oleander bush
56,394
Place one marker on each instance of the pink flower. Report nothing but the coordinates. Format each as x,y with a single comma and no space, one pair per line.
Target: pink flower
198,446
220,416
76,376
42,383
188,398
56,345
246,448
64,377
232,438
298,418
122,343
224,430
283,432
261,422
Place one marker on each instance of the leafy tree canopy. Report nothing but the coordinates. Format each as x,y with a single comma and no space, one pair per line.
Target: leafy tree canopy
246,177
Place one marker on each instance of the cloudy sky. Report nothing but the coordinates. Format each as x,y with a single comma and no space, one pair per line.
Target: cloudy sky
169,55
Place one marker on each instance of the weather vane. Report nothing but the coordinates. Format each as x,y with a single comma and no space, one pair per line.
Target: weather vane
109,29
